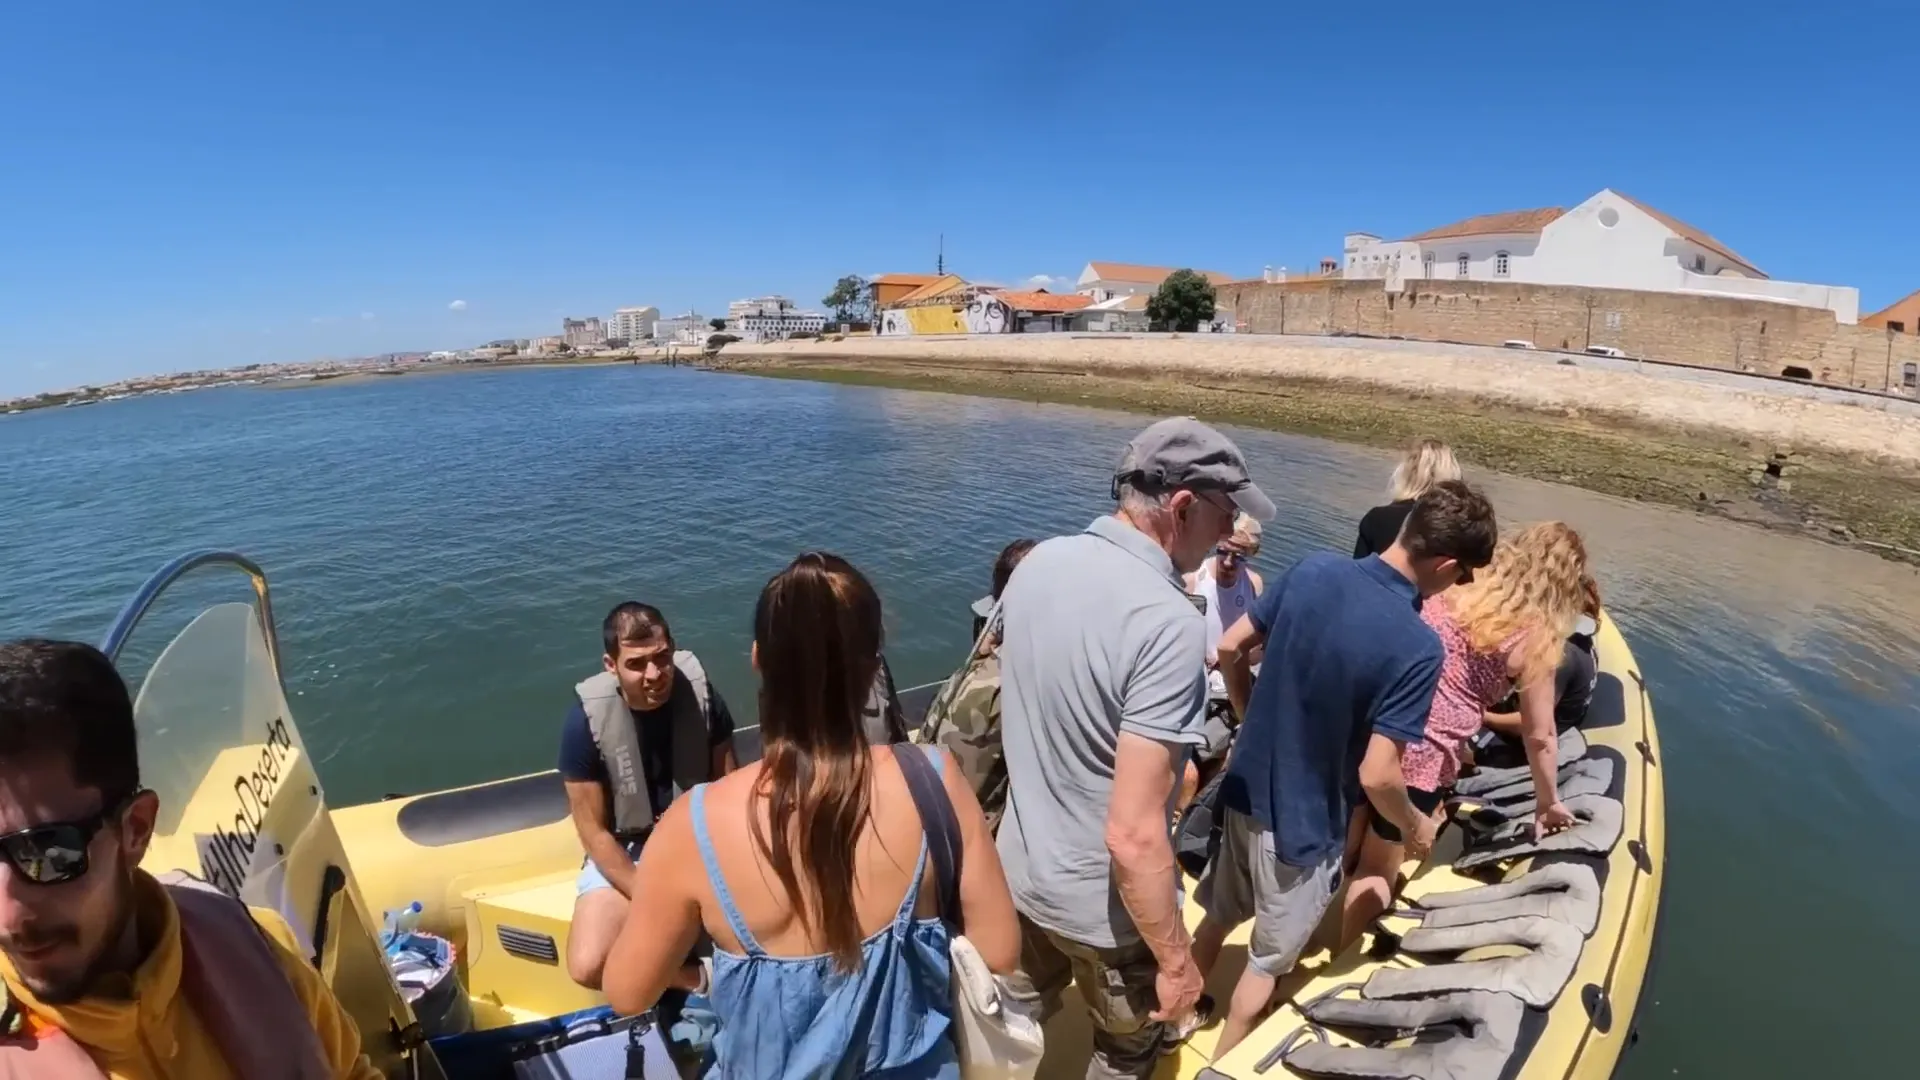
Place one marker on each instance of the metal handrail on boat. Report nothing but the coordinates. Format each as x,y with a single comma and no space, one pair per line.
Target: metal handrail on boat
163,579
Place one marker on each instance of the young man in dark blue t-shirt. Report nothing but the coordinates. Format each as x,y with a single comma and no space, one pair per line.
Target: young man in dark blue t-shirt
658,706
1347,680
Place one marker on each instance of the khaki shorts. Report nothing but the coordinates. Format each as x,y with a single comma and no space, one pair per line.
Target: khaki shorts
1246,880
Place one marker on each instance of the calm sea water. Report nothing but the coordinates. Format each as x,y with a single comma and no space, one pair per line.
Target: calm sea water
442,550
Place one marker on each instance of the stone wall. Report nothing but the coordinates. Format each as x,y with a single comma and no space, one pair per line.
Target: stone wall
1703,331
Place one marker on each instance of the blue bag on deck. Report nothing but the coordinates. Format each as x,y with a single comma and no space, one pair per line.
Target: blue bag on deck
591,1044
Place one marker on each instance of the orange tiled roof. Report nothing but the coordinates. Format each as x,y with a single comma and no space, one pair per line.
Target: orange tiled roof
1043,301
905,279
1688,232
938,286
1905,310
1511,221
1147,275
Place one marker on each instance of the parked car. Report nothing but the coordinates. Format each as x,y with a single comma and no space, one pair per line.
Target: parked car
1606,350
1516,343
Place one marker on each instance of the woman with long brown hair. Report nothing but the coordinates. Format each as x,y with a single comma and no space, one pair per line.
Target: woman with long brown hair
809,869
1502,630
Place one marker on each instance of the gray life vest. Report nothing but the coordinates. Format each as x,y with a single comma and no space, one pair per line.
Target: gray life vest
1572,747
1588,776
1464,1036
1536,976
1600,821
617,736
1566,892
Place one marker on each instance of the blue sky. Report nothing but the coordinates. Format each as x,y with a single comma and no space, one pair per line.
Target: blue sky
205,184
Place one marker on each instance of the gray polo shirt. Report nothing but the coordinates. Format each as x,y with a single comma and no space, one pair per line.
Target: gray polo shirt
1099,638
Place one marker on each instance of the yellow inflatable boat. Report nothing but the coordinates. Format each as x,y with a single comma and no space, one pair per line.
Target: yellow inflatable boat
493,868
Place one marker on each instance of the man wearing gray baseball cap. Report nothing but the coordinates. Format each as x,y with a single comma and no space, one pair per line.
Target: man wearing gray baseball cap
1182,452
1103,688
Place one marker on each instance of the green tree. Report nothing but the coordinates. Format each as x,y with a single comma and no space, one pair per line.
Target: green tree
1182,302
848,299
717,324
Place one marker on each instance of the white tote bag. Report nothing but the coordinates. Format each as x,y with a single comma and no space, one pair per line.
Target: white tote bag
996,1021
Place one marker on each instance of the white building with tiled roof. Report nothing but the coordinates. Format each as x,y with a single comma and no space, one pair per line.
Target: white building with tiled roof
1610,241
1105,280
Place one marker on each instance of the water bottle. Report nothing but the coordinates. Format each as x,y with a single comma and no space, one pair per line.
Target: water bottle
401,923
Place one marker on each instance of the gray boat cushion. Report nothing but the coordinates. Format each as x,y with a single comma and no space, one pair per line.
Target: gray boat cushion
1593,776
1464,1036
1573,747
1601,820
1567,892
1535,977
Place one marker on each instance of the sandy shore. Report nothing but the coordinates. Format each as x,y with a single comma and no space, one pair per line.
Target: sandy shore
354,378
1849,467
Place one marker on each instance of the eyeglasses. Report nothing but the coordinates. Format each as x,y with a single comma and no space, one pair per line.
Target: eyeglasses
1224,506
56,853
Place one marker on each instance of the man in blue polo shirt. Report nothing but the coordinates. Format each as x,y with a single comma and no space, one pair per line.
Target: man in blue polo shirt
1346,682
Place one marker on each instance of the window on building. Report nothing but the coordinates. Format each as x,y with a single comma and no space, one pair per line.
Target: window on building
1699,264
1910,376
1499,264
1461,264
1896,326
1426,262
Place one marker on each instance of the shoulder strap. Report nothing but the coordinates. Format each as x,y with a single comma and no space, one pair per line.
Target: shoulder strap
938,709
617,737
692,743
231,976
938,820
696,674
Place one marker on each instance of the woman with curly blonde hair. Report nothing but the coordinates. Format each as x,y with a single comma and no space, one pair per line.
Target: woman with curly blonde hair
1502,629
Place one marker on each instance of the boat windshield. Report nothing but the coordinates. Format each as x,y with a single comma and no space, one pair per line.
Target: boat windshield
220,748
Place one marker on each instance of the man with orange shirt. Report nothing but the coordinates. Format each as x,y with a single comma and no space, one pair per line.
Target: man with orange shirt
107,971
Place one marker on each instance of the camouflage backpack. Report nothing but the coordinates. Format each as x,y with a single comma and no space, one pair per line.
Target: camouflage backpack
965,722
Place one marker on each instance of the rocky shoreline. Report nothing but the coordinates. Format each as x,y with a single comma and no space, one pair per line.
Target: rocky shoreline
1841,494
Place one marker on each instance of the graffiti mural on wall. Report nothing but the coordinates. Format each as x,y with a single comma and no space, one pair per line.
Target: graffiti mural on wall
936,320
986,314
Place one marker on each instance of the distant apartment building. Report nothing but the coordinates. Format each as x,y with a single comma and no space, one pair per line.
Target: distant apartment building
583,335
633,324
1610,241
771,318
542,346
689,329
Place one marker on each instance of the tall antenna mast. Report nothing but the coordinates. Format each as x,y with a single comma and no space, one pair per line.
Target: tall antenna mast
940,263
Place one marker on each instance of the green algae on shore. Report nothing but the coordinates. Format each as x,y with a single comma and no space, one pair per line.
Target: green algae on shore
1837,498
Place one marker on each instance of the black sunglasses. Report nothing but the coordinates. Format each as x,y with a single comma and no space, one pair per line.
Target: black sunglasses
56,853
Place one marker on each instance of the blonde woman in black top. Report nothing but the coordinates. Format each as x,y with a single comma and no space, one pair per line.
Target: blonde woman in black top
1426,463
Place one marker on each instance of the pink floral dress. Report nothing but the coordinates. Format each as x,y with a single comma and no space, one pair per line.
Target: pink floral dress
1469,682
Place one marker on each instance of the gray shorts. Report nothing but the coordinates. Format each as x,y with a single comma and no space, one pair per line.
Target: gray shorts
1246,880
